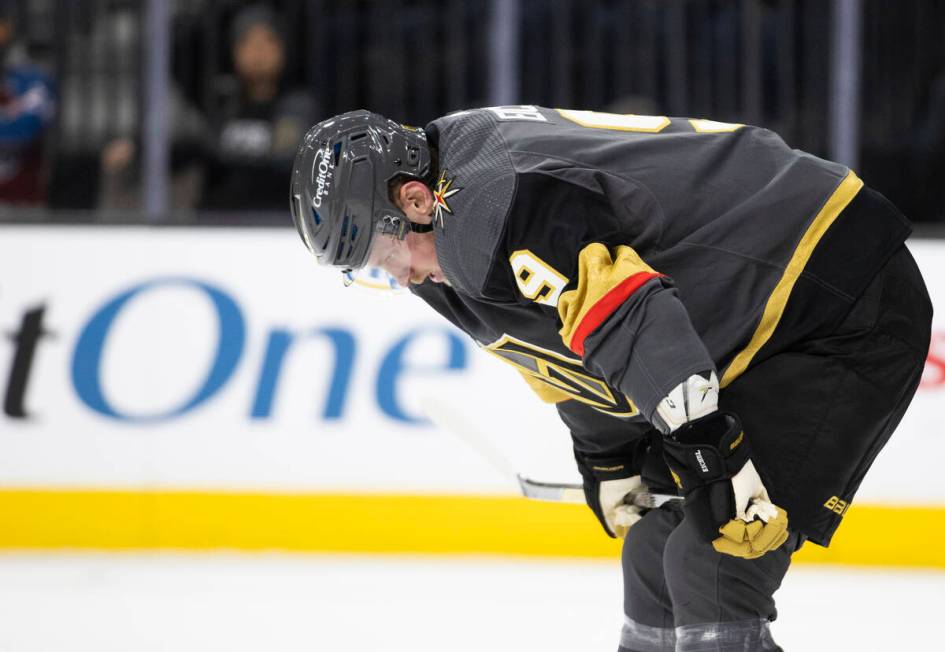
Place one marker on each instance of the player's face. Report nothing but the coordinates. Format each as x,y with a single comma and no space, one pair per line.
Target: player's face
411,260
416,201
423,261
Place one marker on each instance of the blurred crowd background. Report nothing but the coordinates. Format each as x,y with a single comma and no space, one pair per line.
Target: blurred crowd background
189,112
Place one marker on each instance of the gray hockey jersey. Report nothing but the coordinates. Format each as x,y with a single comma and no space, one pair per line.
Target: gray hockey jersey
610,257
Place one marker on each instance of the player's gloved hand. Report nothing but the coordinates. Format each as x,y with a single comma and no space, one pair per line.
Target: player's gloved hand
724,493
607,482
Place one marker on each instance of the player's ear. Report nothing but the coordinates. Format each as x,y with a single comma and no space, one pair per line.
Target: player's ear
415,199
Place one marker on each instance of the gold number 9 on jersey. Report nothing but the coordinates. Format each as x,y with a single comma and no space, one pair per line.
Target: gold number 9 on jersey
536,279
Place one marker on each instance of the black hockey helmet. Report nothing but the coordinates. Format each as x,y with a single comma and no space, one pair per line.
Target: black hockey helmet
339,190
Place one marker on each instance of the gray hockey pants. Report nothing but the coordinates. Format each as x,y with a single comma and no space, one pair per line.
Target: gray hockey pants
680,594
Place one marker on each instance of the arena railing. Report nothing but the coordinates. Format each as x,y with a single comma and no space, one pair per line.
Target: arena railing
843,79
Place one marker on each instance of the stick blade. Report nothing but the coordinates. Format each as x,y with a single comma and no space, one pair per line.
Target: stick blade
560,492
551,491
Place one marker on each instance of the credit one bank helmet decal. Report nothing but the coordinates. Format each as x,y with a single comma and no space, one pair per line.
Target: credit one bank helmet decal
339,189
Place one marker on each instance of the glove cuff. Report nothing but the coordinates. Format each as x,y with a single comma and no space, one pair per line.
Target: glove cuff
602,469
706,450
619,464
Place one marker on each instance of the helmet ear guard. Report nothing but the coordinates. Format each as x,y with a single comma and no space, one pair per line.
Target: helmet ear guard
339,189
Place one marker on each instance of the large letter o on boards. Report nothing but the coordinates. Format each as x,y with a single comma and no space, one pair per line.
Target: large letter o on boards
87,358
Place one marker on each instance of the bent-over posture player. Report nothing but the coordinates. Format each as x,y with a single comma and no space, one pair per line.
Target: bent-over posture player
710,311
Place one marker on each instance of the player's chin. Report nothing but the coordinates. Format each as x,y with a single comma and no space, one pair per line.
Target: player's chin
434,276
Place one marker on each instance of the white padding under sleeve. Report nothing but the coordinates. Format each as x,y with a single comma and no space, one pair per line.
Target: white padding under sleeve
689,400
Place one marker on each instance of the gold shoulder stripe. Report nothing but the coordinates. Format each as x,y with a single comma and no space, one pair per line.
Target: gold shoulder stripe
703,126
777,302
604,283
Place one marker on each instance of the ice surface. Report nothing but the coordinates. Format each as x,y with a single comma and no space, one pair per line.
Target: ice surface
235,602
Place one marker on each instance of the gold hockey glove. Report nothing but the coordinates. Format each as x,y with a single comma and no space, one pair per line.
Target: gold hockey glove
724,493
751,540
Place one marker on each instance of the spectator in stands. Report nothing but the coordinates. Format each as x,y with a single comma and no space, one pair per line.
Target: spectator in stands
261,122
120,180
27,101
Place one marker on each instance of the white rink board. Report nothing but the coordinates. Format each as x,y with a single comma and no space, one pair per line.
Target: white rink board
325,428
162,342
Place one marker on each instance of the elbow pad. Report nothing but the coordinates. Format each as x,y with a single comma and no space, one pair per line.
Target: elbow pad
693,398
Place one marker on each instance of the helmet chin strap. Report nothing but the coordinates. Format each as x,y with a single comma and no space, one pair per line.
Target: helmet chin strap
398,226
420,228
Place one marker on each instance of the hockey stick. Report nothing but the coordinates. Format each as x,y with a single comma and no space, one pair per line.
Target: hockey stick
451,420
574,493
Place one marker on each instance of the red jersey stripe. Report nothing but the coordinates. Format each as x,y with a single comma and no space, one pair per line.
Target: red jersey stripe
606,306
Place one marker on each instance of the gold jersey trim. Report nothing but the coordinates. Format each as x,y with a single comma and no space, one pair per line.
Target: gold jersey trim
557,378
777,301
598,274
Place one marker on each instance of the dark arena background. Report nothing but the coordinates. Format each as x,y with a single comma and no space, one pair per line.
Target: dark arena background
208,443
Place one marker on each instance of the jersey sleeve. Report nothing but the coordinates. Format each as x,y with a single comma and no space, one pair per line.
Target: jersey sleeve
595,434
572,250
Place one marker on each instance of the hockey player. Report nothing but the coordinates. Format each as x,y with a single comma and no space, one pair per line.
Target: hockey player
709,310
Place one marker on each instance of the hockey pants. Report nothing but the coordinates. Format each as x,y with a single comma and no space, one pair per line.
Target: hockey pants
680,594
843,391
